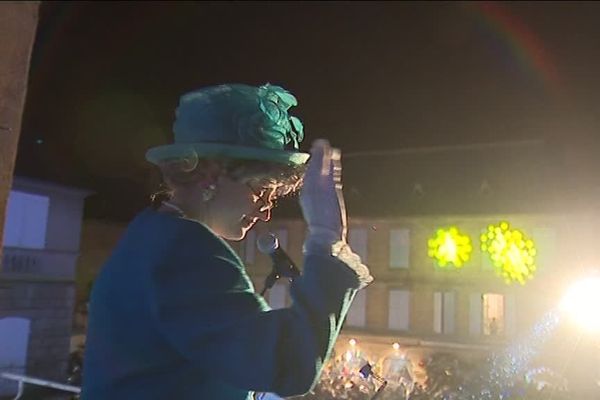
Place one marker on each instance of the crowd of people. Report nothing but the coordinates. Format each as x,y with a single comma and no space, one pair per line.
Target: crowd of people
447,378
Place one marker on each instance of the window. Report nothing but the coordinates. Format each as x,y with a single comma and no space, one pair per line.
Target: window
358,311
488,314
26,220
443,312
399,248
399,310
278,296
357,238
249,247
493,314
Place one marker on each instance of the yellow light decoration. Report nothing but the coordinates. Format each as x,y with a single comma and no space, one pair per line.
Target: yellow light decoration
449,248
511,252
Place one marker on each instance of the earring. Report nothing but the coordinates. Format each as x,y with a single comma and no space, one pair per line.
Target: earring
209,192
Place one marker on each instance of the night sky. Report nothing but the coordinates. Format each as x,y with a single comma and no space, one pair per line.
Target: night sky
106,77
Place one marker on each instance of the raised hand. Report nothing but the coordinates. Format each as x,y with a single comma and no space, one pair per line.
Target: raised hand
321,196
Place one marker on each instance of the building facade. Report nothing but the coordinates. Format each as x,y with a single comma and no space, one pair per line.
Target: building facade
37,292
419,308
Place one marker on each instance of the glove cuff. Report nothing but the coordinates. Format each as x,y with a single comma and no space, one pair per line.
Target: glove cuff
320,244
320,240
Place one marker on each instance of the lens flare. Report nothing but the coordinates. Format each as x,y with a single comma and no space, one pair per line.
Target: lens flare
581,303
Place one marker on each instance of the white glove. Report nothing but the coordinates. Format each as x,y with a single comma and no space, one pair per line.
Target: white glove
324,210
321,197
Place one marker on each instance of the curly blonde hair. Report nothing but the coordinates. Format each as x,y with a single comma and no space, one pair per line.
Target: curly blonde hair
181,173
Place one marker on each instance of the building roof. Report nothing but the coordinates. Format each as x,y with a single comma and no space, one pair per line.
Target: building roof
506,177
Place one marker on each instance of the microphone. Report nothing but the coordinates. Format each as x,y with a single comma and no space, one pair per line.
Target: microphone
283,266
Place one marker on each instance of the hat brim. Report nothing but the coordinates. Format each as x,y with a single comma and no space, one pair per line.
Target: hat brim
159,154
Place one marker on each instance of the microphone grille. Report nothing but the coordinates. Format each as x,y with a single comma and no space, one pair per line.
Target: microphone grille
267,243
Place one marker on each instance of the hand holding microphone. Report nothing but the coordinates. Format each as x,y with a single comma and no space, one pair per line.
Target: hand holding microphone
283,266
269,244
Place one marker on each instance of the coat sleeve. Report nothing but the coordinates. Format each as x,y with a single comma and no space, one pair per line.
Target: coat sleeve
212,317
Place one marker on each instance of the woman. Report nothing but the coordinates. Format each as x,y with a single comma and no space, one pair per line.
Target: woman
173,314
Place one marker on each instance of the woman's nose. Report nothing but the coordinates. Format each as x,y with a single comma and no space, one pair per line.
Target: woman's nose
264,213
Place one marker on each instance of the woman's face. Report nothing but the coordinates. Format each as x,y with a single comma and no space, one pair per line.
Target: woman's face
237,206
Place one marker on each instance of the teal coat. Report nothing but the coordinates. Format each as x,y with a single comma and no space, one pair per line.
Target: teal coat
173,315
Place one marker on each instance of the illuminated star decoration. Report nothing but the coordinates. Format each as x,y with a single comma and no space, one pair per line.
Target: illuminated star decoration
449,248
511,252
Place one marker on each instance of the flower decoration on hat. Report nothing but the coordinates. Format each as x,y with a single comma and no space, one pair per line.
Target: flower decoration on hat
274,102
235,121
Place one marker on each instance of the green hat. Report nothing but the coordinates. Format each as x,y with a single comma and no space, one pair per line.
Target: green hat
235,121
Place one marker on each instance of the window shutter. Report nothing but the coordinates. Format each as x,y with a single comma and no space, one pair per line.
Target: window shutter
475,314
511,314
437,312
399,310
399,248
357,238
449,312
358,310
